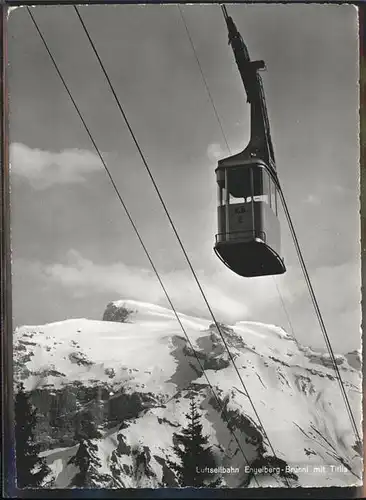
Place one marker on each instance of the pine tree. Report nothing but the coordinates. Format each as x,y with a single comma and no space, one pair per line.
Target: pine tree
195,457
86,456
87,462
31,469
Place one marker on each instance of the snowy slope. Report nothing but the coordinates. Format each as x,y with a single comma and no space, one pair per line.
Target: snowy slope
146,366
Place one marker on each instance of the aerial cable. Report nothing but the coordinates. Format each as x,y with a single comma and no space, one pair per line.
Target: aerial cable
312,294
221,407
174,229
203,77
310,288
319,316
224,11
224,135
292,330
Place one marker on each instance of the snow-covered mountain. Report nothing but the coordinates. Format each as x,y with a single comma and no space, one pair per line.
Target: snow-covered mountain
136,372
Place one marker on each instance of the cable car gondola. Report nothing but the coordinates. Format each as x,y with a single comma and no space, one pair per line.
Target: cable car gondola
249,237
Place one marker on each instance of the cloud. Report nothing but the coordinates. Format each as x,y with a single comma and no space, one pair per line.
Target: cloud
230,299
84,276
43,169
88,287
338,293
215,152
313,200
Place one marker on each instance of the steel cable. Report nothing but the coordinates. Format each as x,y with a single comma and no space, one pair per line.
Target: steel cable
222,409
174,228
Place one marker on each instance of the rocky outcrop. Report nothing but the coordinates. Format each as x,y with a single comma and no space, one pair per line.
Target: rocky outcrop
354,360
119,314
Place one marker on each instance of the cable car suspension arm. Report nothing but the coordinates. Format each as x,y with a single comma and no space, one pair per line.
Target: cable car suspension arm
260,142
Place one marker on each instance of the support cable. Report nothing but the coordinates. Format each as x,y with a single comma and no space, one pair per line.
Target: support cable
221,406
292,330
203,77
319,316
174,229
312,294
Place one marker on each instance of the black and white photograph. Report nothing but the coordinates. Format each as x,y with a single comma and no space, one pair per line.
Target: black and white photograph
185,245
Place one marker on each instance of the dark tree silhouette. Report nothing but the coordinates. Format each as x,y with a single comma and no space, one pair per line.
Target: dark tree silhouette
31,469
196,459
86,456
358,447
87,462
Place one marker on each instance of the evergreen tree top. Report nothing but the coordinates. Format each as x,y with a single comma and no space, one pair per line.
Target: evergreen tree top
31,469
194,456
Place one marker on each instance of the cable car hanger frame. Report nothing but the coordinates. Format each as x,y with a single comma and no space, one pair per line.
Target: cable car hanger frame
249,236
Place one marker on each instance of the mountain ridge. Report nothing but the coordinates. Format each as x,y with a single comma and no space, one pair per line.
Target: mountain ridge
143,371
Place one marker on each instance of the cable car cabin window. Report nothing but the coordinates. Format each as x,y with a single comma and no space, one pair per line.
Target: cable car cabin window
236,183
264,195
221,194
273,195
276,211
244,182
274,198
254,180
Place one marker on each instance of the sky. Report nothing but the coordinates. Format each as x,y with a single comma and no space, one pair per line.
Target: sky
73,248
